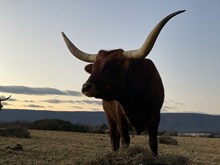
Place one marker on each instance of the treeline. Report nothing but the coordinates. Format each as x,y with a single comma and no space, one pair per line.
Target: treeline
62,125
57,125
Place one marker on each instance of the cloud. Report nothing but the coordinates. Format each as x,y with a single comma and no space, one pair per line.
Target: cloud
49,106
76,107
54,101
179,103
171,106
37,91
98,102
5,103
28,101
166,108
34,106
58,101
73,93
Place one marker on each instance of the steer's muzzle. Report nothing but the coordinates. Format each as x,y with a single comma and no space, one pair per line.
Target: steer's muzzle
88,89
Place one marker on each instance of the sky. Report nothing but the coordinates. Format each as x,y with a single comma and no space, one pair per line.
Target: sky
41,74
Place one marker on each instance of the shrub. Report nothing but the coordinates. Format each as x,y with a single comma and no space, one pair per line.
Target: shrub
19,132
46,124
21,123
80,128
167,140
57,125
52,124
168,133
169,159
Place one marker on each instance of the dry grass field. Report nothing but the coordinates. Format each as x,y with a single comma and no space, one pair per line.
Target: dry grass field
51,147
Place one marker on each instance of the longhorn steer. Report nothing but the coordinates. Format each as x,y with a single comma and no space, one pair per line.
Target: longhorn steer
1,106
130,86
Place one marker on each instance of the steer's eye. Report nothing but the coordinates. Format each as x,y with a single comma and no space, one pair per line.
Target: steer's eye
109,69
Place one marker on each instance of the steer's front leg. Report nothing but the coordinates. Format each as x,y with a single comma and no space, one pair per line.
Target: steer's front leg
123,129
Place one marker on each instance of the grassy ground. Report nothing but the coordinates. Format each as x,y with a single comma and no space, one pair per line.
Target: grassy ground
51,147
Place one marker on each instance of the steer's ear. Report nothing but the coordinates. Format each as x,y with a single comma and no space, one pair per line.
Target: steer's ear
88,68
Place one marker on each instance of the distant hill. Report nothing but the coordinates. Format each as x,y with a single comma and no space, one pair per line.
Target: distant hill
180,122
95,118
190,122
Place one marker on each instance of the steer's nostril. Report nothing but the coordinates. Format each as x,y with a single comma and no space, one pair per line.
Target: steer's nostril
87,86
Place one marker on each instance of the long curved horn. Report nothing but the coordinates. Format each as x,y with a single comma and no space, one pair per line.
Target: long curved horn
145,49
5,98
78,53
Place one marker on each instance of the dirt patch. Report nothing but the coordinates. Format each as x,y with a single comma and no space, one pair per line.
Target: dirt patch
136,155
